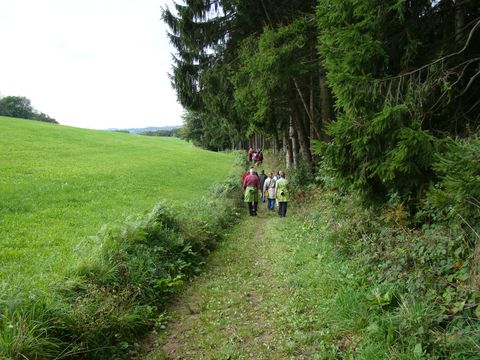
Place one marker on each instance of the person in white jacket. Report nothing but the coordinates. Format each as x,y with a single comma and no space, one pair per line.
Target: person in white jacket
269,190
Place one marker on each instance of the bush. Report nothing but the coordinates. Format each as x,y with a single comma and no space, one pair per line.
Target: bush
457,195
421,284
302,175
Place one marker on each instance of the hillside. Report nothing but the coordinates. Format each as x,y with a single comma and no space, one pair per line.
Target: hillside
60,185
150,128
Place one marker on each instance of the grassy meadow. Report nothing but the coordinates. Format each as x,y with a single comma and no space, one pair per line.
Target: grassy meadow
59,185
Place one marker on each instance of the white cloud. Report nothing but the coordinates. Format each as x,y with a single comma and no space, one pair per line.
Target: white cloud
89,63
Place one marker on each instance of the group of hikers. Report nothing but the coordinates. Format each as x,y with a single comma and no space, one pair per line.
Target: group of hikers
255,155
270,188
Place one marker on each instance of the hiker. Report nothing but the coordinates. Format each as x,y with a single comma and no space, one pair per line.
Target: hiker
255,157
250,153
269,191
246,173
251,187
262,177
281,193
259,157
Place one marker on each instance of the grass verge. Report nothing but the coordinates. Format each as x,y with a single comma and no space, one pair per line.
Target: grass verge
103,306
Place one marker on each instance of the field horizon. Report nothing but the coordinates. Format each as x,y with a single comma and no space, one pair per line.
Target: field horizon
59,185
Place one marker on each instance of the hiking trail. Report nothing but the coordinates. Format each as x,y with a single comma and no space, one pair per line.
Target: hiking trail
246,303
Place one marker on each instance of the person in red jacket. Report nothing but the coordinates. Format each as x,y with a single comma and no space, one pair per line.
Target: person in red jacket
250,153
246,173
251,187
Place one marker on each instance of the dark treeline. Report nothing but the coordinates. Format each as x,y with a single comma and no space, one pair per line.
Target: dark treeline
21,107
374,92
165,133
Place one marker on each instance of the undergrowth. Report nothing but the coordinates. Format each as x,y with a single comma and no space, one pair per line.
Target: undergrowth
118,292
416,290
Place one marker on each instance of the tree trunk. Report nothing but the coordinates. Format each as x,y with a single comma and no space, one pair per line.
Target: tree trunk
459,22
326,103
294,140
302,135
287,148
312,110
276,142
297,122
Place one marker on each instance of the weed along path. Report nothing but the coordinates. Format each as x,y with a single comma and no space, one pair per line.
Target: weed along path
252,301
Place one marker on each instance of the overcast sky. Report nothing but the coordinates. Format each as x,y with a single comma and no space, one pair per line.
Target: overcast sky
89,63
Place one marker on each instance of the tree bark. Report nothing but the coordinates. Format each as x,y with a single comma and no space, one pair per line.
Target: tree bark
312,111
326,104
276,142
294,140
288,149
459,21
302,135
297,123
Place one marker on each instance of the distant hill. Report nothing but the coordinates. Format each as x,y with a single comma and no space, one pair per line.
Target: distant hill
151,128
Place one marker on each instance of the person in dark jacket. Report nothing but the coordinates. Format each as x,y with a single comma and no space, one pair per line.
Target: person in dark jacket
262,177
260,157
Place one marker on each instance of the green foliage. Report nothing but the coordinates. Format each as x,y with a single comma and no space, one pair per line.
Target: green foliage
419,286
400,83
335,281
268,62
350,44
199,128
384,139
16,106
114,299
167,133
457,195
235,66
302,175
389,153
27,333
20,107
377,148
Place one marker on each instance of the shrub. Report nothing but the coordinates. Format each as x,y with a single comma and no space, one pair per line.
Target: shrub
420,283
457,195
302,175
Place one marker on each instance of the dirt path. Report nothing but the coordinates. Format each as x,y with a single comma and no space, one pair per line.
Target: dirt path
230,311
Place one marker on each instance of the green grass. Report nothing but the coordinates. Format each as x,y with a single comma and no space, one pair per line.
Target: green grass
298,288
59,185
269,292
